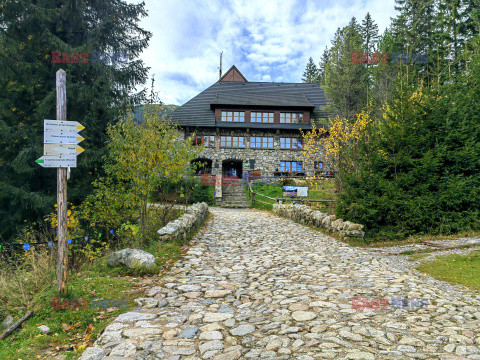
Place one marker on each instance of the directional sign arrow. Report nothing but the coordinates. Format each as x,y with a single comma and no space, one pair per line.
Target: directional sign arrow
53,137
61,150
57,162
63,126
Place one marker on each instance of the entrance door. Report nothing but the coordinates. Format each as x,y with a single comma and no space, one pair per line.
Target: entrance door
232,168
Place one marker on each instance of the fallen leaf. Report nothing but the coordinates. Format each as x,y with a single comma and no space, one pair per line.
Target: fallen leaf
89,329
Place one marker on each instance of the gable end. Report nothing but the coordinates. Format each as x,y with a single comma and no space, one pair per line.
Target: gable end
233,74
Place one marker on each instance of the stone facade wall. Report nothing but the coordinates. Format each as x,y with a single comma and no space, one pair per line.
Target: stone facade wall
304,215
185,224
266,160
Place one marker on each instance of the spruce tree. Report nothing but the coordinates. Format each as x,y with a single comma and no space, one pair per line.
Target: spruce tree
470,26
384,74
322,65
415,31
370,33
96,93
345,80
417,170
310,75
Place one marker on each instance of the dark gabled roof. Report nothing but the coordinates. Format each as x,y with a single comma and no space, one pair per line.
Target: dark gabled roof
252,99
197,112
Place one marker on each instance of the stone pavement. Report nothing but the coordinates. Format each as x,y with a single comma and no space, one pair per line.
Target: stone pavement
256,286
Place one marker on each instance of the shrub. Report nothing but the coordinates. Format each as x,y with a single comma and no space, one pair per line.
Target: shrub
203,194
22,279
286,182
417,170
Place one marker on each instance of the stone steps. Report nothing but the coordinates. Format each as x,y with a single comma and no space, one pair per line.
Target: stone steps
234,197
235,206
235,190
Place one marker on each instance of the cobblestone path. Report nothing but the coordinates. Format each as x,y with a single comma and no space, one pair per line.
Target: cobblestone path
256,286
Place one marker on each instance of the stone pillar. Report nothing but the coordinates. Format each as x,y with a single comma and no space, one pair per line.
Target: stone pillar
218,179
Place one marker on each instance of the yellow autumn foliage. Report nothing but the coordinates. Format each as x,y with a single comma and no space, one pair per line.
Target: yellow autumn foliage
72,217
327,146
141,156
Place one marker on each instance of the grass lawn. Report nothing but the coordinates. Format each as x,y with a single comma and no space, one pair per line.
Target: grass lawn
456,269
420,238
72,330
324,191
272,191
414,255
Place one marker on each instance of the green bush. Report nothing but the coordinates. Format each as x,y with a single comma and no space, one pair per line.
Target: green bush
286,182
418,170
203,194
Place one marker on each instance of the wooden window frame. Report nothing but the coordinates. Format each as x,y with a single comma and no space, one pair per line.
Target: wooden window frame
265,117
232,142
233,116
290,143
289,166
204,140
289,117
264,142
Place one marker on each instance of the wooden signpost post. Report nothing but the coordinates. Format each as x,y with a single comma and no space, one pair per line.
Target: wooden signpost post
60,151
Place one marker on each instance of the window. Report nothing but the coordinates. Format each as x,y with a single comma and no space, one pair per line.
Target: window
233,116
231,141
261,117
287,166
261,142
291,118
207,141
290,143
318,165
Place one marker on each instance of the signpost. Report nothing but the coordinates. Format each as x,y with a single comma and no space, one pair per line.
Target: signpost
59,125
57,161
60,151
59,137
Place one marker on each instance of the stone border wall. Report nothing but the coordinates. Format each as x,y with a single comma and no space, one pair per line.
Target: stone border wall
182,227
304,215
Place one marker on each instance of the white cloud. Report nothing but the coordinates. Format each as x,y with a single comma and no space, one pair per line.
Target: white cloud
268,40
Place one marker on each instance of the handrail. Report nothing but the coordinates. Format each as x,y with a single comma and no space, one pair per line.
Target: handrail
265,196
253,193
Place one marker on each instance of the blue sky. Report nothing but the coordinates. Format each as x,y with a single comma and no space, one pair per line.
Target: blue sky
267,40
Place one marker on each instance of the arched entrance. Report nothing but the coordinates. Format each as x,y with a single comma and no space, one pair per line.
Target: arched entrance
232,168
202,166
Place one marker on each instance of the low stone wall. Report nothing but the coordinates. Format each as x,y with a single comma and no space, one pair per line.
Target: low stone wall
185,224
304,215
